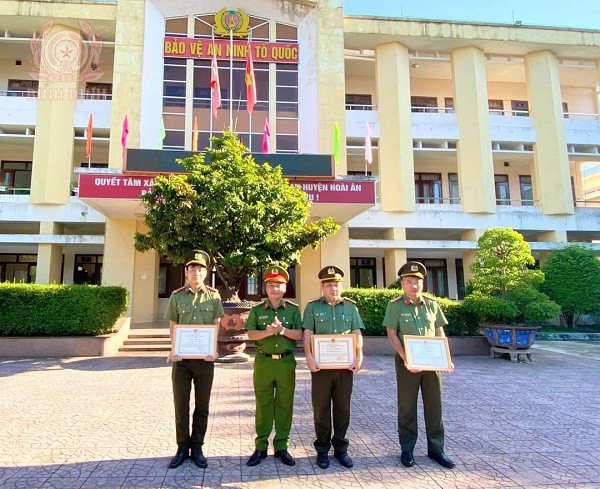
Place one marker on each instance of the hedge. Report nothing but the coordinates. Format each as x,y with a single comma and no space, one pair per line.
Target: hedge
371,304
59,310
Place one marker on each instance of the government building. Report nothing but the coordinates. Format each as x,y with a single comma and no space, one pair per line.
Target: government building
471,125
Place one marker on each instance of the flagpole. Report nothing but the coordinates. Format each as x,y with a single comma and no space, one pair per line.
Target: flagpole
231,79
250,114
210,116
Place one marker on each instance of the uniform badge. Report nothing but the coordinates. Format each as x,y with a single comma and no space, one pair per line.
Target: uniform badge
331,271
414,268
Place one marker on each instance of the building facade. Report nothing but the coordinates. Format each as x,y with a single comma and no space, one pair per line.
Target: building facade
473,126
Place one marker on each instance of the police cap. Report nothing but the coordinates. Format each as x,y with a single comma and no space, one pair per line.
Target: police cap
331,273
197,257
277,274
412,269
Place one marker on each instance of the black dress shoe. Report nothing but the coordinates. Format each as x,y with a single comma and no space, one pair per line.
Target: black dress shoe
442,459
285,457
323,460
198,458
180,456
407,458
345,460
256,457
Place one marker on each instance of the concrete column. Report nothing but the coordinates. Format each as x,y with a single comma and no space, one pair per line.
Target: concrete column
49,260
395,257
331,79
551,161
127,83
144,300
119,255
68,266
558,236
469,256
54,133
396,163
307,282
474,150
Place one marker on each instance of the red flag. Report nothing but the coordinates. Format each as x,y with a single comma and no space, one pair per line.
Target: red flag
88,138
266,142
368,149
215,86
195,135
250,83
125,132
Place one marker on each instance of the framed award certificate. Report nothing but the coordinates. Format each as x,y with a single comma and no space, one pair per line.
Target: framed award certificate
195,340
427,353
335,350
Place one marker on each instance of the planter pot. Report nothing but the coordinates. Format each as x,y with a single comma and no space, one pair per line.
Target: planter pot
232,335
514,340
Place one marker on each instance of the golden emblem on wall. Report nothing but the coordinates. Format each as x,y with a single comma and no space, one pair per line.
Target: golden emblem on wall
236,21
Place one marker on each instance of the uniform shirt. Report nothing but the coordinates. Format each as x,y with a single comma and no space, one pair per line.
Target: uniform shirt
341,318
264,314
189,307
407,317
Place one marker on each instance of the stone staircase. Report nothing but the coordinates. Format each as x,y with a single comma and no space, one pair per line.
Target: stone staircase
148,342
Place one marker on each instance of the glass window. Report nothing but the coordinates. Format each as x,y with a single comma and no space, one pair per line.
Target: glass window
496,107
526,190
363,272
15,177
436,281
428,188
449,104
176,26
18,268
502,190
460,278
359,102
423,104
454,188
520,107
88,270
285,32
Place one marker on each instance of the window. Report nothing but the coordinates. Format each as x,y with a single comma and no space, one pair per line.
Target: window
170,277
428,188
18,268
520,107
449,104
423,104
502,190
253,288
460,278
454,188
496,107
15,177
358,102
565,108
526,190
436,281
22,88
88,269
358,173
98,91
363,272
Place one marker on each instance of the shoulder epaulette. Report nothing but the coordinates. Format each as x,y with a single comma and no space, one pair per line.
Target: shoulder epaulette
292,303
314,300
211,288
429,298
396,299
178,290
349,300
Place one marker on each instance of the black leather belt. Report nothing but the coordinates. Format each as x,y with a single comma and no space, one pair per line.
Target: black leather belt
276,356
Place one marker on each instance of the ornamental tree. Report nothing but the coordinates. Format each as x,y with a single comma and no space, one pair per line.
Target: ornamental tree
244,215
573,281
503,288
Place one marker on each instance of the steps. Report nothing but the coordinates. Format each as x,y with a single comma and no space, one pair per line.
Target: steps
153,341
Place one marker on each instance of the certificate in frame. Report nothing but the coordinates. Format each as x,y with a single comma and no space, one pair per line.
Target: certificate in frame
333,351
430,353
195,341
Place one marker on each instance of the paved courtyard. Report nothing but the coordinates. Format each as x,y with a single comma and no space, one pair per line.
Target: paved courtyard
108,422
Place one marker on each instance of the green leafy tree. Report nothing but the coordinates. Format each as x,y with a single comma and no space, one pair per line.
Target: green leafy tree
573,281
244,215
503,288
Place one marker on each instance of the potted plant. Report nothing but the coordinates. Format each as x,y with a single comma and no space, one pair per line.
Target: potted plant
504,293
244,215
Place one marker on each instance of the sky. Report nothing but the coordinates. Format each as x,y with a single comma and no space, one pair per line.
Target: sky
557,13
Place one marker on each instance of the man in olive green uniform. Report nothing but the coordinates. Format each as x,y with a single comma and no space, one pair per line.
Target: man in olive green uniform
331,314
195,303
414,314
274,326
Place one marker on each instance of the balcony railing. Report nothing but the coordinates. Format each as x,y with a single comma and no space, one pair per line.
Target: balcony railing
34,94
360,107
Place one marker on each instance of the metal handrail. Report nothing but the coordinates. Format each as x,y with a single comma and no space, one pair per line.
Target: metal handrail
94,96
19,93
360,107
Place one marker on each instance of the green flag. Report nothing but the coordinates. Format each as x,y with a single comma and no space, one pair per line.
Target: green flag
162,133
336,142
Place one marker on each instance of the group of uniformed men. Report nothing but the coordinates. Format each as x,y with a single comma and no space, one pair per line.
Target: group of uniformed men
274,326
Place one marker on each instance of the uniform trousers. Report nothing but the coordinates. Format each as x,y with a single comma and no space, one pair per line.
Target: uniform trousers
201,373
274,385
331,388
408,385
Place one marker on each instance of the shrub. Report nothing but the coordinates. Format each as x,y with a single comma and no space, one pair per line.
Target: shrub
372,303
59,310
